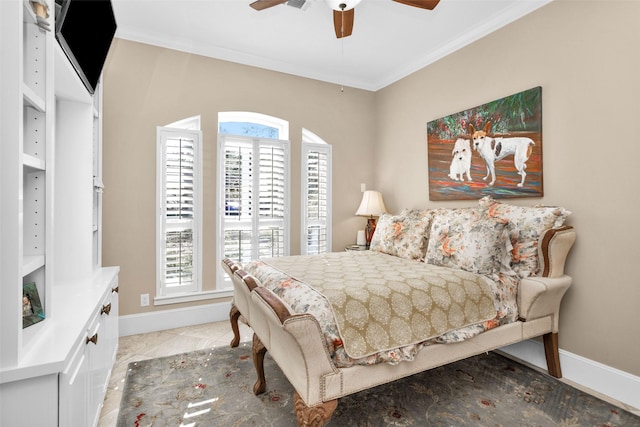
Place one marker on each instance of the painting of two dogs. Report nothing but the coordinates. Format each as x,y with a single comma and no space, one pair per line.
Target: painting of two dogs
494,149
491,150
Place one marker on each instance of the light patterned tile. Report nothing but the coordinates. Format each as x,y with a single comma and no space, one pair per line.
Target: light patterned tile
205,331
158,344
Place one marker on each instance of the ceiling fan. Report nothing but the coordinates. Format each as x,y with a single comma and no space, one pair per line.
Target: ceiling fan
343,11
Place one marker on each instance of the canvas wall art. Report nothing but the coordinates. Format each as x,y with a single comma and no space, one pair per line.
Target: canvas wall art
493,149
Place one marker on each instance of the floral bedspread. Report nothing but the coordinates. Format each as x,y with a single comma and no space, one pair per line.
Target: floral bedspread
384,285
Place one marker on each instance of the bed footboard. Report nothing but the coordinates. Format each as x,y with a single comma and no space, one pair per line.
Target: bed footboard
242,284
297,344
292,339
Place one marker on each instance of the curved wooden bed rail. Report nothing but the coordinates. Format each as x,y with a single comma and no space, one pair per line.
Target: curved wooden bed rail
248,279
230,266
276,304
250,282
258,348
553,249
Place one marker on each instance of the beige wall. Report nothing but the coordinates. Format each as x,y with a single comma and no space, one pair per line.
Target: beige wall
146,86
584,55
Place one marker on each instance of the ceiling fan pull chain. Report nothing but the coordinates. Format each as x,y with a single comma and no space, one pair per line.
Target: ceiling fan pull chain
342,46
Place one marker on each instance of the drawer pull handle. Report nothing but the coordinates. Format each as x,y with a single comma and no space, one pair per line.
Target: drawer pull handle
93,339
106,309
116,289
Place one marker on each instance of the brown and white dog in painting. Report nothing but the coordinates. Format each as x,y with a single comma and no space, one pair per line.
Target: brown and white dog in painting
461,160
494,149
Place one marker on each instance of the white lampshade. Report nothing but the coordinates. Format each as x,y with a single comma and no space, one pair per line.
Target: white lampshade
371,204
348,4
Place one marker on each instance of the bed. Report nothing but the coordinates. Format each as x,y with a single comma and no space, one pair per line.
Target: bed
436,286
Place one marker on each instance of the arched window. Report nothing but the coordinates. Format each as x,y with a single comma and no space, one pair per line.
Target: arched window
179,202
253,191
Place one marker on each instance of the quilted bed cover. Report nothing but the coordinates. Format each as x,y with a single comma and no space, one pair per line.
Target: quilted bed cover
378,308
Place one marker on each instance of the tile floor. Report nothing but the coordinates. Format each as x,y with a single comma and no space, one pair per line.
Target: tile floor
157,344
180,340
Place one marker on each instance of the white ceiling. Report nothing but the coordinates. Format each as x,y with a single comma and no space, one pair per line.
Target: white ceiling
390,40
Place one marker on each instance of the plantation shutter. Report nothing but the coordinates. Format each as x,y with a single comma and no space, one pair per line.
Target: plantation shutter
255,198
316,198
178,211
238,197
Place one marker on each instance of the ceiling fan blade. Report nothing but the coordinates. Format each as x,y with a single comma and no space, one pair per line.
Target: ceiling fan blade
422,4
265,4
343,22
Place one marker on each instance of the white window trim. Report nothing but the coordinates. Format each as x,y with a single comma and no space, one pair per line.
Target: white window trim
179,296
191,123
311,142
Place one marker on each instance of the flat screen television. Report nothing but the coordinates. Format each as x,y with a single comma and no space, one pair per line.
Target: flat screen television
85,30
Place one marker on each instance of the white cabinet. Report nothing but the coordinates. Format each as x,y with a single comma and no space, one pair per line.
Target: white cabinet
68,372
101,348
50,221
86,375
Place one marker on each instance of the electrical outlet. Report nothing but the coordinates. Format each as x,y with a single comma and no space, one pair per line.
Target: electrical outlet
363,187
144,300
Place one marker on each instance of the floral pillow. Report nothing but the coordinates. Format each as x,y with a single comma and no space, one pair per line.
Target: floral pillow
420,213
404,236
526,224
470,240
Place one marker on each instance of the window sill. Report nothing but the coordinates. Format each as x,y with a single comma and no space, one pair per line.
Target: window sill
192,296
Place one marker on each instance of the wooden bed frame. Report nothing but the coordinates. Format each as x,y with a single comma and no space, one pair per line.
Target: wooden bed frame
296,341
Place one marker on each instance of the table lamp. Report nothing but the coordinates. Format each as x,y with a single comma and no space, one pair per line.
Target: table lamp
370,206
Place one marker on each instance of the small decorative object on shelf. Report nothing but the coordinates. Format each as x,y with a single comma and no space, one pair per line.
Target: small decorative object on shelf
32,312
41,9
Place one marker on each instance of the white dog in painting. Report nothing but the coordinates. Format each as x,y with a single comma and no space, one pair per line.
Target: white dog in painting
494,149
461,161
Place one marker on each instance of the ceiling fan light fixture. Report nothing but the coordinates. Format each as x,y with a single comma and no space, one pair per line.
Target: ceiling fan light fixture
342,5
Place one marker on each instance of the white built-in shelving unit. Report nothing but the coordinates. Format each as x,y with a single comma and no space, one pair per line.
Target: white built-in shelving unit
55,372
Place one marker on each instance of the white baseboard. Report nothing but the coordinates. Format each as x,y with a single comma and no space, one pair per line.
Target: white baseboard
174,318
600,378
